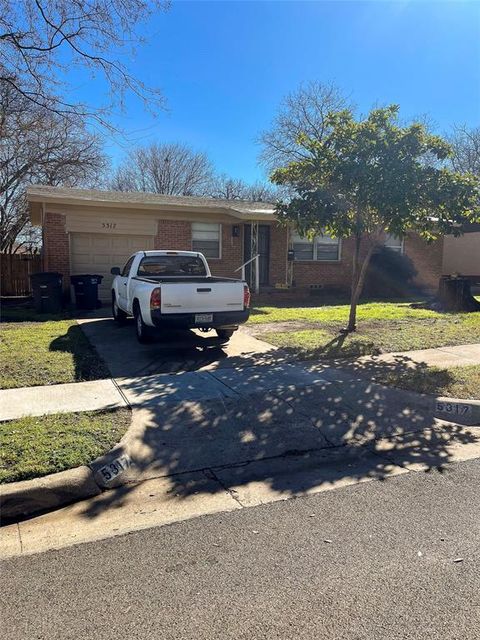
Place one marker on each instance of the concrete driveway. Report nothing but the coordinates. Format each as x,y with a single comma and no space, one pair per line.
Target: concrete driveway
170,352
199,406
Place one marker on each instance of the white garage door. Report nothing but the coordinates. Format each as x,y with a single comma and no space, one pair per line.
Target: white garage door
99,252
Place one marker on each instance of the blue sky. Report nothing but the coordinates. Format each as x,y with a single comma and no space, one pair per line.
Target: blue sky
224,67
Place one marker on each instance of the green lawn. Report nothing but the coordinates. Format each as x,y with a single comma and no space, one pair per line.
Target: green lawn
339,313
36,446
454,382
420,329
50,352
25,313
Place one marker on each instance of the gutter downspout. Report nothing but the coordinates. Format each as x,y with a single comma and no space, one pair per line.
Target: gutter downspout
44,253
286,258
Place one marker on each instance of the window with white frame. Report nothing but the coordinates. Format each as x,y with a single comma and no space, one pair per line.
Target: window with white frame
394,243
206,238
322,248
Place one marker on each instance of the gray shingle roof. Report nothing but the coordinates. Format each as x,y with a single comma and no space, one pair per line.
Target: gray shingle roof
39,193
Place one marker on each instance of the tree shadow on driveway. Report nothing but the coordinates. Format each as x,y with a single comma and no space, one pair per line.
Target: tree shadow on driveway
264,419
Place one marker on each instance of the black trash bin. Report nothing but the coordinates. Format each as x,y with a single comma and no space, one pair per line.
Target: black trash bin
47,291
86,290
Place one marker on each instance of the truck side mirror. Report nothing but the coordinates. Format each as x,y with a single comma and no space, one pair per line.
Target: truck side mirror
115,271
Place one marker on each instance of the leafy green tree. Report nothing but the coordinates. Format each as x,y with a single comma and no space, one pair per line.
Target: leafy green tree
365,178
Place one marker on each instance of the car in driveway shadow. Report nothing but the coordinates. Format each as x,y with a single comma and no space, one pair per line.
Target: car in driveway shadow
169,352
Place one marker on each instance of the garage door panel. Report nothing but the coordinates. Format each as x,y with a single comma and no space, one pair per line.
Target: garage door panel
101,244
84,257
122,242
98,253
83,267
106,262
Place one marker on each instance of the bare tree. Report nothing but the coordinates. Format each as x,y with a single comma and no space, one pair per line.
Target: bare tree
41,40
466,149
38,146
301,113
228,188
173,169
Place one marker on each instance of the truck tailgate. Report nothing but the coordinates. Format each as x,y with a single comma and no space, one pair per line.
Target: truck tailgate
201,297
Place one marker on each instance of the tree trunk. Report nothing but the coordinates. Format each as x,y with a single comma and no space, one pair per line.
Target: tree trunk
358,281
352,319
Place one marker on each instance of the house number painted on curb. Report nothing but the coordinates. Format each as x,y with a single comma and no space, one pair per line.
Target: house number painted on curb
115,468
454,408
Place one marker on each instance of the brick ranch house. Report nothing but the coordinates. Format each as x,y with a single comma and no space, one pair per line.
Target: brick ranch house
86,231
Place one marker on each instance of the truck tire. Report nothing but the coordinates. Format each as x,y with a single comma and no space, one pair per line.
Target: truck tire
117,313
143,332
225,334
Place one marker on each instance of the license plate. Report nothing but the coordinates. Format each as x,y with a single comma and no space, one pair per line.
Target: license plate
200,318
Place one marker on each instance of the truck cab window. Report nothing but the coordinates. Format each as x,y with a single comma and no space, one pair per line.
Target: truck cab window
171,266
126,268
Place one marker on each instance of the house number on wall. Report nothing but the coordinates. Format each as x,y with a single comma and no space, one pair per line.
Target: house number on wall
109,225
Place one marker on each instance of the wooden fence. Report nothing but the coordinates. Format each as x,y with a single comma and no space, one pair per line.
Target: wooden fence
15,273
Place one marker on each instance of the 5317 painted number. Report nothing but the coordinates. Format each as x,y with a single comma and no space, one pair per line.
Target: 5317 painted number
454,408
109,225
115,468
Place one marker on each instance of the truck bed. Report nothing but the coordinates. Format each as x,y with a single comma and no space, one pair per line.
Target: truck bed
189,279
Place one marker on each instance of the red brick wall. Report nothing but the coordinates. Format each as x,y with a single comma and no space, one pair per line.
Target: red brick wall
173,234
177,234
427,259
232,253
56,248
329,274
278,254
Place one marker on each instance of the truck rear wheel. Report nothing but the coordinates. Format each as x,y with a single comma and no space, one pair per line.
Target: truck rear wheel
117,313
225,334
143,332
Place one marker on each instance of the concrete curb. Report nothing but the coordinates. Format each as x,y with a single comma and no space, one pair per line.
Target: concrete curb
458,410
115,468
25,498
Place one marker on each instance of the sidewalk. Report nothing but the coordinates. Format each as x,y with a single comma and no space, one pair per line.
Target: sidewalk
229,417
461,355
271,374
59,398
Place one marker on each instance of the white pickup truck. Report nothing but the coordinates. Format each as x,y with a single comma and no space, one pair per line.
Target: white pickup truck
175,290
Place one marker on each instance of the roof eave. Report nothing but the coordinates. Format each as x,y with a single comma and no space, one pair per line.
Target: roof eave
37,199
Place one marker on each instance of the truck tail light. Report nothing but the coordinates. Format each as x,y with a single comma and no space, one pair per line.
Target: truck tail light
246,297
156,299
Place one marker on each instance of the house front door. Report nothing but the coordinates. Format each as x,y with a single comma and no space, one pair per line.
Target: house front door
263,249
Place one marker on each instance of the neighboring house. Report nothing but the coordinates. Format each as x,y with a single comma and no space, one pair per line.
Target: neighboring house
88,231
462,255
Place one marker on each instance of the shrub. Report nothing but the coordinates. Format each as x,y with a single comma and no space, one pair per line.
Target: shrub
390,275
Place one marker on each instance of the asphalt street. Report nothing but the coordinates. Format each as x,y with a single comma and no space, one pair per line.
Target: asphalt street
393,559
